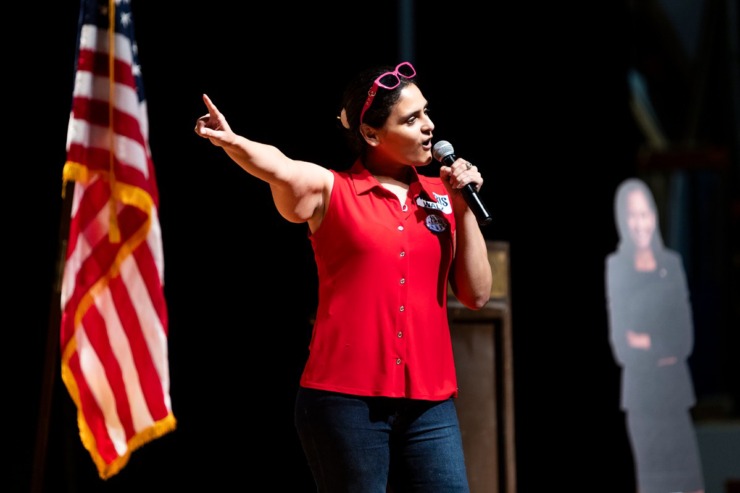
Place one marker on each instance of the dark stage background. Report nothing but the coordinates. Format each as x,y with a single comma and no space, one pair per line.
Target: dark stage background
534,93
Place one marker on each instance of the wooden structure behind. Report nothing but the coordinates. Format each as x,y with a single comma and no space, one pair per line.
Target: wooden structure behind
483,354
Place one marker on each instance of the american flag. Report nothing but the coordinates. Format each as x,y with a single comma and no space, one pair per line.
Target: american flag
114,320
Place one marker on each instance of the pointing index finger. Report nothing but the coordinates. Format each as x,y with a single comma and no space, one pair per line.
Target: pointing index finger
209,104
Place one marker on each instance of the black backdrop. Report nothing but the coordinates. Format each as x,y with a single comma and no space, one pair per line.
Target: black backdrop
535,95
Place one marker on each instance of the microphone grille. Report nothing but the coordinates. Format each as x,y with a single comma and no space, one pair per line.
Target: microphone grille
442,149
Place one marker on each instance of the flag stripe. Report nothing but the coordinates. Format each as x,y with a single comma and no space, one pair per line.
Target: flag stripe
100,370
93,431
114,316
132,307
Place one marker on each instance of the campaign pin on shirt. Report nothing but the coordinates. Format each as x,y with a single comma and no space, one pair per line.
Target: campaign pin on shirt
441,203
436,223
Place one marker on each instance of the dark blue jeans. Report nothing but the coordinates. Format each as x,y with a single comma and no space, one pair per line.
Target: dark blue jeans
376,444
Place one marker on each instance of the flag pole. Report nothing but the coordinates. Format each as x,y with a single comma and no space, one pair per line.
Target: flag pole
51,355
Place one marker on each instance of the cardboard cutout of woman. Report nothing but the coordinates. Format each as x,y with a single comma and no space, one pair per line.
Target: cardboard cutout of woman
651,334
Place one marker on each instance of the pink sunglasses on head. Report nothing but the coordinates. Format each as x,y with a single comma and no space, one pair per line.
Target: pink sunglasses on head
388,80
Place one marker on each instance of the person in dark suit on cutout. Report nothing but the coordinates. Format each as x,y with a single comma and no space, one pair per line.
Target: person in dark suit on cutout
651,334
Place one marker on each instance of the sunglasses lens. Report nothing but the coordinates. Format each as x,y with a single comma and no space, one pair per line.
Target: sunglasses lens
388,80
406,70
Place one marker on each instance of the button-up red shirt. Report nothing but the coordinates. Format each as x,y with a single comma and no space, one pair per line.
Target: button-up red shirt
381,326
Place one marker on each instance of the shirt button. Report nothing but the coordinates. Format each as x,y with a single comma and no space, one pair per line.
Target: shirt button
403,254
398,361
400,228
400,334
403,280
402,308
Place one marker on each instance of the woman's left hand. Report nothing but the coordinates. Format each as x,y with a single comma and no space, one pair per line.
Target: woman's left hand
460,174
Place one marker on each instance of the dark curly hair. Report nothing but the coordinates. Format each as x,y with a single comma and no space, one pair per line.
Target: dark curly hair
354,97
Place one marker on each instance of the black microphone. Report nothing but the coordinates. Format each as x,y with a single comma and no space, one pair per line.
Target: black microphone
444,153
